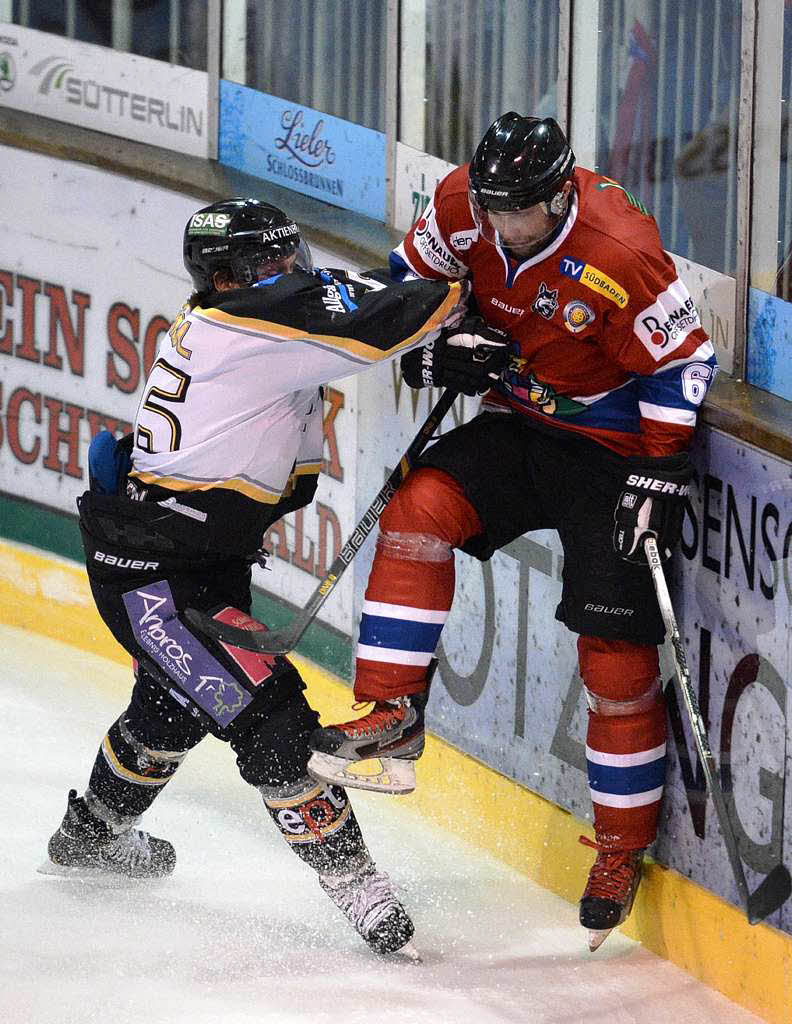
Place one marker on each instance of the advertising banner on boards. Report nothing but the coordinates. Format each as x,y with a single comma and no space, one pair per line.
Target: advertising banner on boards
317,154
109,91
87,294
508,690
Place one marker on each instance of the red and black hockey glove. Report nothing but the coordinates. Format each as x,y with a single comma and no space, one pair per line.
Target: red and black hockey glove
652,504
466,358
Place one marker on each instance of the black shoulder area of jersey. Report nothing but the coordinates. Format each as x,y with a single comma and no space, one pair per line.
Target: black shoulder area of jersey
281,300
373,309
378,312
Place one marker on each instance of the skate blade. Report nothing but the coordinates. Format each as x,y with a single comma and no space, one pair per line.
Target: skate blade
596,937
80,871
409,953
380,775
49,867
88,874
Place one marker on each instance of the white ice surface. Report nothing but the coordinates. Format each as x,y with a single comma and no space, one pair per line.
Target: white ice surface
242,933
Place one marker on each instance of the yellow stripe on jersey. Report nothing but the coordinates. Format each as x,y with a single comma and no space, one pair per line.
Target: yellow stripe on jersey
370,353
250,490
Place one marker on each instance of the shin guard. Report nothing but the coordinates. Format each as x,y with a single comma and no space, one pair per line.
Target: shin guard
411,585
127,776
626,741
318,823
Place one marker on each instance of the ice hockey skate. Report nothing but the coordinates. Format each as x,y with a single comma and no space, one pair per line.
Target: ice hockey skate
376,752
612,884
367,899
86,846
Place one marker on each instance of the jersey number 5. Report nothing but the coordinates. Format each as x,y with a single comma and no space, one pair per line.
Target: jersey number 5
165,384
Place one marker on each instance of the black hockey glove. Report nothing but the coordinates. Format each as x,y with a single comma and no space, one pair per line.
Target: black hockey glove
465,358
652,504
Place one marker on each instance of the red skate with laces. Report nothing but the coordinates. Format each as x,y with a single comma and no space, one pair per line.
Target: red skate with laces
376,751
612,884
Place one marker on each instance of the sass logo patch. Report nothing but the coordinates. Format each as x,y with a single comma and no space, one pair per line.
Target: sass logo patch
209,223
546,301
595,280
577,316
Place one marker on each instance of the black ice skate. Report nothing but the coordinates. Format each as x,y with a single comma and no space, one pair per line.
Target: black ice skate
86,845
391,736
612,884
367,899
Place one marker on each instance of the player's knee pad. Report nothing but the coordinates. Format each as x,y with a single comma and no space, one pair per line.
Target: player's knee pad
318,823
128,775
157,720
274,751
619,678
428,516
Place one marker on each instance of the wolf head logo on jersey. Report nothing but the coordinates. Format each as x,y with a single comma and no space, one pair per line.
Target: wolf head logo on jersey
546,301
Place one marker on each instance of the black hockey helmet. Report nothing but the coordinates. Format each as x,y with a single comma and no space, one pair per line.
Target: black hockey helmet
520,161
238,235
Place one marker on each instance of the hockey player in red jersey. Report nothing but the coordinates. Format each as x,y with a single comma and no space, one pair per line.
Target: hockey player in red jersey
601,399
228,438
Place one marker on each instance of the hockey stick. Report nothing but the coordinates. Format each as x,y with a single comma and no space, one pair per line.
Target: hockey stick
775,887
281,641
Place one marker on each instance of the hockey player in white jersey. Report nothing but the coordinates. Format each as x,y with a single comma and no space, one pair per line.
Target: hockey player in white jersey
227,439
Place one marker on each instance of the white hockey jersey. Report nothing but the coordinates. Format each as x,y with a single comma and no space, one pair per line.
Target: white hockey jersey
233,401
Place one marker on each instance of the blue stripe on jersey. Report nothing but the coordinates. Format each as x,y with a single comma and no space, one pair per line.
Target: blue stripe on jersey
346,298
618,410
665,388
399,634
639,778
398,268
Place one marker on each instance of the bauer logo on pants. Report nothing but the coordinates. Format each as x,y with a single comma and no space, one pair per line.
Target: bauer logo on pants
152,614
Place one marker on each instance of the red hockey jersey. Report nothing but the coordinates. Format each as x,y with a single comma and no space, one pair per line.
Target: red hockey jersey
611,343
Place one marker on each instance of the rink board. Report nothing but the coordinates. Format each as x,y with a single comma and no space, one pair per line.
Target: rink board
87,293
673,916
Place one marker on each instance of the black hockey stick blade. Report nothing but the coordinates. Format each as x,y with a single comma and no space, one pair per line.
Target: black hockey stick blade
248,639
774,890
281,641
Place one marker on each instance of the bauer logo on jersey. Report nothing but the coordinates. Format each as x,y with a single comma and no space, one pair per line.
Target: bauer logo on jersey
663,326
595,280
577,316
209,223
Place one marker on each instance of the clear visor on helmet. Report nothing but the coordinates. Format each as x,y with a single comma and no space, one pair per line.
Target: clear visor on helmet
261,262
522,231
